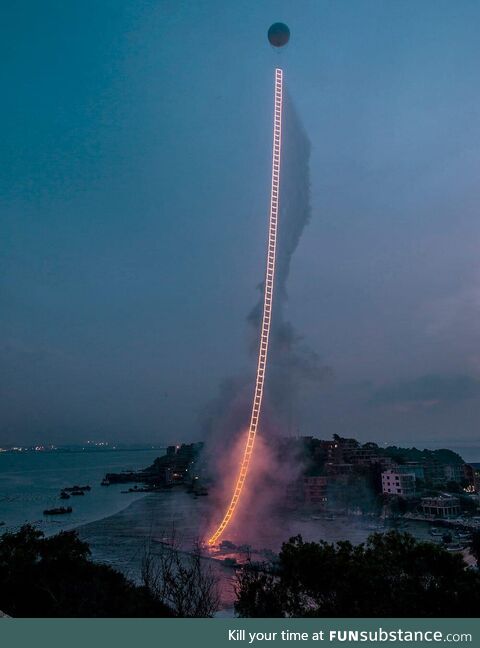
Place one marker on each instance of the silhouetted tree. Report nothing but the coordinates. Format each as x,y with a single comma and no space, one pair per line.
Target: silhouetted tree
391,575
180,580
54,577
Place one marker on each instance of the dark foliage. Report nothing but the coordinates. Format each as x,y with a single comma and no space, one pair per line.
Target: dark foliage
54,577
442,455
392,575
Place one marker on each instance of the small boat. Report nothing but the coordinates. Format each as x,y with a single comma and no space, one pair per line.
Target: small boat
76,493
64,495
455,547
61,510
105,482
77,489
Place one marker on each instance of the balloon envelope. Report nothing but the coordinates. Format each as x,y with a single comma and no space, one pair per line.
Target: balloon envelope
278,34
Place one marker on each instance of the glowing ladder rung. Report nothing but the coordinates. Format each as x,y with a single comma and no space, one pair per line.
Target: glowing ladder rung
267,309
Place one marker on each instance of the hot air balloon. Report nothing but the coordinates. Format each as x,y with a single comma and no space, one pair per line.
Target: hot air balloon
278,34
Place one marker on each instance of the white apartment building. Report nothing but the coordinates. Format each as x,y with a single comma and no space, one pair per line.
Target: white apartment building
396,483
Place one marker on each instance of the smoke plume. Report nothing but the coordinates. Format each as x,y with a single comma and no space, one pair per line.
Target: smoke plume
291,363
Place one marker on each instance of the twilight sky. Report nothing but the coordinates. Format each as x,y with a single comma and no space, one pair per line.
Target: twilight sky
134,180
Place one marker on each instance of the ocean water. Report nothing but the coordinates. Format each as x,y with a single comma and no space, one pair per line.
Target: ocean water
31,482
121,539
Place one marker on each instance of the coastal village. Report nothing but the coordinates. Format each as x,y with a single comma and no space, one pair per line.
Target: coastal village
342,476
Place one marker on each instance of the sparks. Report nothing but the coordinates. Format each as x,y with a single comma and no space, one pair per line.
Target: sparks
267,311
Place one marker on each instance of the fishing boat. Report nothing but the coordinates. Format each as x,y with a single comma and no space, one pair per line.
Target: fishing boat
61,510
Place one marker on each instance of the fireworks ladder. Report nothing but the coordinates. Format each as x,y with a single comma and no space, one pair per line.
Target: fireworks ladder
267,310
